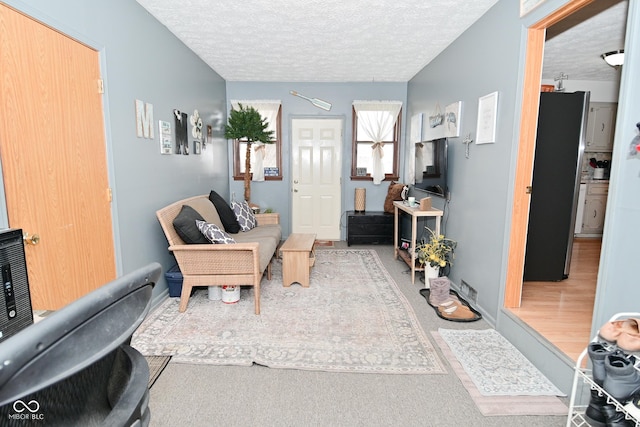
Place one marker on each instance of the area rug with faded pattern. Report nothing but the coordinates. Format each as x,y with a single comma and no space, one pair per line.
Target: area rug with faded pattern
495,366
352,318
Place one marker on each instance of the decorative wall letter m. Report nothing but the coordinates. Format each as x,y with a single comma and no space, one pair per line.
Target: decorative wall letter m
144,120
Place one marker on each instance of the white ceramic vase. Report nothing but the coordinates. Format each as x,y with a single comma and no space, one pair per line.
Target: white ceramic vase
430,273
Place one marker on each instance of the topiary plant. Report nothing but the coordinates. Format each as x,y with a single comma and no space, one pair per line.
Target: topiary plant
247,125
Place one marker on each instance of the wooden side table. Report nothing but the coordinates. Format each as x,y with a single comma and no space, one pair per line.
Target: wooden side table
297,259
415,212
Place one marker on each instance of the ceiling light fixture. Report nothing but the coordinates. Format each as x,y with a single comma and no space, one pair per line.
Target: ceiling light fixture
614,58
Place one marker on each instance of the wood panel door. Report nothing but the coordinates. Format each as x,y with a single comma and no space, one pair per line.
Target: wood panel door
52,146
316,177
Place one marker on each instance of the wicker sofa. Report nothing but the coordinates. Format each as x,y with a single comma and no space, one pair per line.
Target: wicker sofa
240,263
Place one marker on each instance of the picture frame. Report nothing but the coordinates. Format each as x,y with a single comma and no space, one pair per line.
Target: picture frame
416,128
527,6
182,142
452,119
166,140
487,118
197,147
361,171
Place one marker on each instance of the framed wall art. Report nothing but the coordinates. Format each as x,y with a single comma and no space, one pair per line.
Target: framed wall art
182,141
166,140
452,117
487,118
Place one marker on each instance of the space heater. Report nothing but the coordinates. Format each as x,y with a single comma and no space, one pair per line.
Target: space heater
15,300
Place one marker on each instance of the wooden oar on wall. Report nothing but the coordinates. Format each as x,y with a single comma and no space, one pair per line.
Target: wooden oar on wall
315,101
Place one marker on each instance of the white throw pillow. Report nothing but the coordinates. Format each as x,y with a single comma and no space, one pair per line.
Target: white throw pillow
213,233
244,215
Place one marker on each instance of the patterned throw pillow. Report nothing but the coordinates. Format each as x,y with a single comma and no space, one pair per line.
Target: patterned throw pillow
213,233
244,215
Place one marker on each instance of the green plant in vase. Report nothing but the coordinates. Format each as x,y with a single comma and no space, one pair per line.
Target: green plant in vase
437,251
247,125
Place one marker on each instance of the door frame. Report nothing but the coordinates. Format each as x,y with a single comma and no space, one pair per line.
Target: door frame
340,117
72,33
526,148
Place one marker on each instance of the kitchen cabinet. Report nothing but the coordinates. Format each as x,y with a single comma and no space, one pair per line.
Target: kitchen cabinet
594,208
601,123
582,196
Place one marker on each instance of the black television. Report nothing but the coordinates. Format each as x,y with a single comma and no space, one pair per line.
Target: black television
431,167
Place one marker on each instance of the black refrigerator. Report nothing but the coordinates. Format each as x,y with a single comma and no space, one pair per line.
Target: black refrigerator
556,182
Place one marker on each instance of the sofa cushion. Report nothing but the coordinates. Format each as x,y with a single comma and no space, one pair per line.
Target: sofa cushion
244,215
213,233
204,207
185,225
393,193
272,231
228,218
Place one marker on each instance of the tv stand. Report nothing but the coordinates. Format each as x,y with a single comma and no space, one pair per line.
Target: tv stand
415,212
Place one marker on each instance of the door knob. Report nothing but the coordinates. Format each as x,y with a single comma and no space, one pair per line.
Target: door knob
31,240
295,182
295,190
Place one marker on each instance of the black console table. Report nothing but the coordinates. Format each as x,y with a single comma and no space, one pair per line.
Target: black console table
369,227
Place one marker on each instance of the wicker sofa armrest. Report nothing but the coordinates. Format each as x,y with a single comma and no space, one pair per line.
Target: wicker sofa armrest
268,218
223,259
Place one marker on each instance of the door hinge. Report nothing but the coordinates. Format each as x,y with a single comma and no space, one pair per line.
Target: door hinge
529,189
109,195
100,86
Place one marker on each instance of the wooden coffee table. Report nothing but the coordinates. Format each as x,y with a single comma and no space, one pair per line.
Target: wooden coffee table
297,259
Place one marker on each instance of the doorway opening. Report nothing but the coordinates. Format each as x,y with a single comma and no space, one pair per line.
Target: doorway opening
561,312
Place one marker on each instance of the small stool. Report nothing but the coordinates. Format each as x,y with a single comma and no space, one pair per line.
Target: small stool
297,259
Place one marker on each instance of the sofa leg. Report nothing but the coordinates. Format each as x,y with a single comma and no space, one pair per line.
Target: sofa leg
269,270
256,291
184,297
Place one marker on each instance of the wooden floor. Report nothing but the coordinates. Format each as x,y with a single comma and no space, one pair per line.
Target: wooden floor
562,311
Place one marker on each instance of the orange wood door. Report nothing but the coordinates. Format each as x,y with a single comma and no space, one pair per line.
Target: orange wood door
52,146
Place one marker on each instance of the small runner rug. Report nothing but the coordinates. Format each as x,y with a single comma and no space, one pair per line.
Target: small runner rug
352,318
501,405
495,365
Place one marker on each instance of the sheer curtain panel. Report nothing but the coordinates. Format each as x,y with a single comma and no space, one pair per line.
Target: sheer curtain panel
377,119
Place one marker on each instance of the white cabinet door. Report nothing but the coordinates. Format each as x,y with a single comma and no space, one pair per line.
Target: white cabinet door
580,211
593,218
600,126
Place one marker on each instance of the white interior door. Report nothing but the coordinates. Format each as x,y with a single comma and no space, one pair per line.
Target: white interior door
316,166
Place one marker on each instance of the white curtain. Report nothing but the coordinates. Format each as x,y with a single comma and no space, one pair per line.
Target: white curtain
377,119
268,109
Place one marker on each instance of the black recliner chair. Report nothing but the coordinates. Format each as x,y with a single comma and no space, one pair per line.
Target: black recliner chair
75,367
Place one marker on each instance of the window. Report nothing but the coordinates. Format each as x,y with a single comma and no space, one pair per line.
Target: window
376,126
272,162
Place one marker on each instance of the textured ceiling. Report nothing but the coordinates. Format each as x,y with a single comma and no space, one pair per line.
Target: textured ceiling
358,41
574,46
317,41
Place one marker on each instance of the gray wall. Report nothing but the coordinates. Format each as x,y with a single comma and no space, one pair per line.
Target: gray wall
480,185
489,57
142,60
277,194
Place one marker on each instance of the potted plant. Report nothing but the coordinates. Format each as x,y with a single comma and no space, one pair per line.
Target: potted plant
247,125
435,253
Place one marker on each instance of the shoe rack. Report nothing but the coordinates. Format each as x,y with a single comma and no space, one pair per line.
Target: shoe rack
583,375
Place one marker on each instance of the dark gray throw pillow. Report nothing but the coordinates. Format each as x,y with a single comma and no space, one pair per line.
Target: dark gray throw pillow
185,225
225,213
